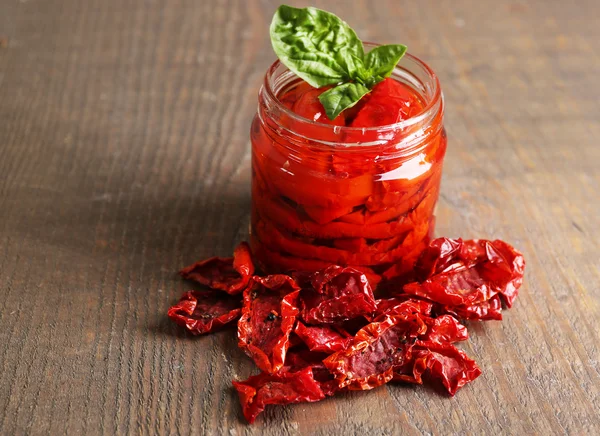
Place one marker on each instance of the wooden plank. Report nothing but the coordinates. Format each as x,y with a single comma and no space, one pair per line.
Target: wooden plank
124,155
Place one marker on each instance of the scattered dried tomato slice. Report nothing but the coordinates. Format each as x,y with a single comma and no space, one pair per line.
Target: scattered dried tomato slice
205,311
377,348
436,257
507,271
338,294
268,316
229,274
469,264
462,287
299,359
323,339
282,388
486,310
398,305
444,329
444,361
302,357
468,273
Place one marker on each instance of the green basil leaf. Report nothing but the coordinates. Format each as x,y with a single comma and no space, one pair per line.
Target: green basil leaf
323,50
381,61
316,45
335,100
354,65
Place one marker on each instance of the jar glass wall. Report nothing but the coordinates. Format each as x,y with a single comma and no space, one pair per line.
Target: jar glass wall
326,194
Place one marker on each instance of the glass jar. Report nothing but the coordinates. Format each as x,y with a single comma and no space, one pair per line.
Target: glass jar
361,197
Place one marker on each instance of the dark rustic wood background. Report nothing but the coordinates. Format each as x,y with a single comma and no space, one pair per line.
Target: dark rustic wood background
124,155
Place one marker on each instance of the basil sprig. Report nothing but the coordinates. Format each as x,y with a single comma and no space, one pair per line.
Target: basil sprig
323,50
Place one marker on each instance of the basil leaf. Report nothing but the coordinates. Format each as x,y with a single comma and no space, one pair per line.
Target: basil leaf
381,61
355,66
316,45
323,50
335,100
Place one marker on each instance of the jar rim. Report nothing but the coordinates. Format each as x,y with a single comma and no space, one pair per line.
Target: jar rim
427,111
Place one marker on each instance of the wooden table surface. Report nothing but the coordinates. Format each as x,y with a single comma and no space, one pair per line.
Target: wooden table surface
124,155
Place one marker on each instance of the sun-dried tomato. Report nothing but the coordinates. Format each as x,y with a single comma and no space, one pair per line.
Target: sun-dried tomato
229,274
444,329
462,287
282,388
372,277
486,310
399,305
302,357
338,294
324,339
377,348
268,316
444,362
497,262
297,360
468,273
435,258
205,311
507,271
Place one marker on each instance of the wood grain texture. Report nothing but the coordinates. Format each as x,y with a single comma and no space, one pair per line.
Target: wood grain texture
124,155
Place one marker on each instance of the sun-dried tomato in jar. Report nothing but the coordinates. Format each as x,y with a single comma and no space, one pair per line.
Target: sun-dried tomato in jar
359,190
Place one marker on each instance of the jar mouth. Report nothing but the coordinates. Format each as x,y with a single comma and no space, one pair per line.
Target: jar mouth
424,80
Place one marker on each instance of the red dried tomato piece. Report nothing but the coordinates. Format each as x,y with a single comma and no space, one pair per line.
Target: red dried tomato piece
322,339
463,287
412,369
467,273
205,311
372,277
229,274
399,305
505,268
338,294
486,310
282,388
444,329
299,359
497,263
435,259
444,362
377,348
268,316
